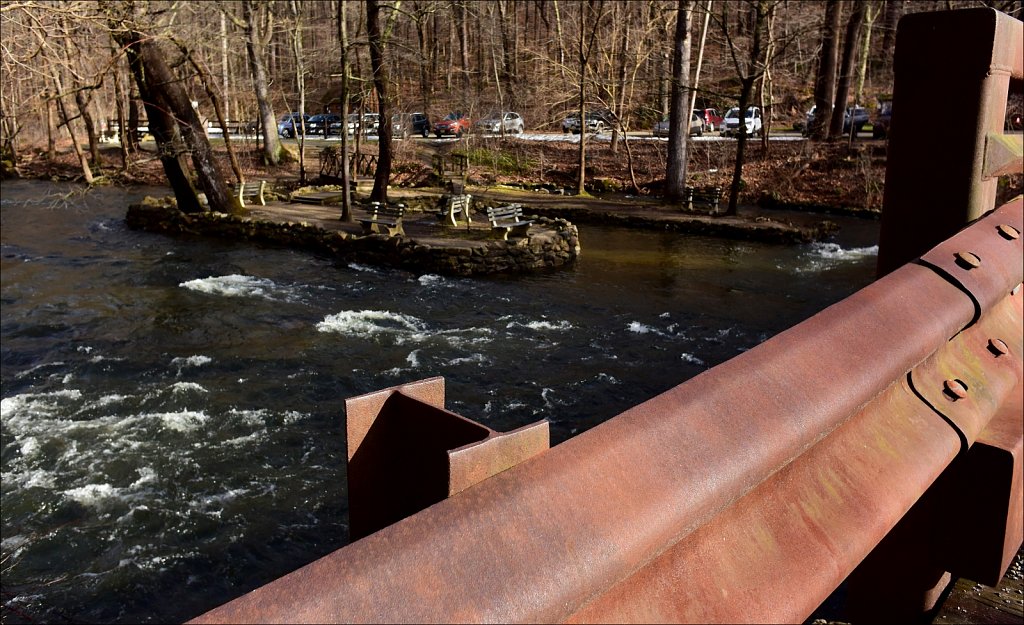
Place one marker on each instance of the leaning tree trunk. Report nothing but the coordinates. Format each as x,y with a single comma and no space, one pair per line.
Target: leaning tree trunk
382,176
176,126
679,114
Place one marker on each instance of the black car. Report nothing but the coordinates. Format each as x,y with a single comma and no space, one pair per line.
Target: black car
321,124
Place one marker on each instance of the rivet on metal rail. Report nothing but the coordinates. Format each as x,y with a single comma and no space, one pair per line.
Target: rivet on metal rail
955,389
968,260
998,347
1009,232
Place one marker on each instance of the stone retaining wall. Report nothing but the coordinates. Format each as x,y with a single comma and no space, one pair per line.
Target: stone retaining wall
551,243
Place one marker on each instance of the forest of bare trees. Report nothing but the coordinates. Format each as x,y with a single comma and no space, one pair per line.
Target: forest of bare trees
71,69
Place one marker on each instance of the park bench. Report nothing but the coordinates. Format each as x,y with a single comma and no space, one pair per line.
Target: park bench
507,220
703,196
251,191
390,217
457,205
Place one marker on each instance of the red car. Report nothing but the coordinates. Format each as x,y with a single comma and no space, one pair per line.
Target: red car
712,120
453,124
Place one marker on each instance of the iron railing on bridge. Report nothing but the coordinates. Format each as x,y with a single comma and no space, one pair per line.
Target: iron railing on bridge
879,442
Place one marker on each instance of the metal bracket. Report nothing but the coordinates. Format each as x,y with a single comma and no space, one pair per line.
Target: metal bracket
968,379
406,453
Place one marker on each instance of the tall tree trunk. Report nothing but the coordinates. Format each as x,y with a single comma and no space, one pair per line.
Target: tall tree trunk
825,82
561,39
700,55
679,115
51,140
255,45
300,85
746,89
767,95
346,171
119,97
83,102
382,177
850,47
869,22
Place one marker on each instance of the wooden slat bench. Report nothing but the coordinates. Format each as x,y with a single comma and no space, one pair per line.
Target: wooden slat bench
455,206
507,220
390,217
251,191
703,196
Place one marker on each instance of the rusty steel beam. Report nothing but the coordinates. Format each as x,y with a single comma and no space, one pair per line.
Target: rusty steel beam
790,430
969,55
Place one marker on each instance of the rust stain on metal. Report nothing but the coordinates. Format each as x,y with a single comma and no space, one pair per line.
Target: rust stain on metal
966,368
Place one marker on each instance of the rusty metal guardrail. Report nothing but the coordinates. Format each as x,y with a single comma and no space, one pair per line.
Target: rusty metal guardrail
748,493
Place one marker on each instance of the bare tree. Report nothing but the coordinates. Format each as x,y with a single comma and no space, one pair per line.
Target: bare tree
346,172
679,114
825,81
851,44
378,39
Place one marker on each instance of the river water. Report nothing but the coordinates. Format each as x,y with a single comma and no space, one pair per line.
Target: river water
173,409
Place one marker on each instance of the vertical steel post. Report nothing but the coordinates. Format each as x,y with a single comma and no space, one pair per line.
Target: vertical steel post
952,73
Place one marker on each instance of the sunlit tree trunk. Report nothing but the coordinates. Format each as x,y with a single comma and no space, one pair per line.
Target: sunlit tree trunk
679,115
346,170
850,47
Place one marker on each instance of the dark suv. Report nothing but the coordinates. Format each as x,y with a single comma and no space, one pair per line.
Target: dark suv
880,127
321,124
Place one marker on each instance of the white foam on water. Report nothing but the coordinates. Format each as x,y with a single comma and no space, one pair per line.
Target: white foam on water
45,365
690,358
183,421
430,279
413,358
541,325
643,328
191,361
28,406
94,495
367,323
837,252
30,478
233,285
471,359
29,447
363,268
181,388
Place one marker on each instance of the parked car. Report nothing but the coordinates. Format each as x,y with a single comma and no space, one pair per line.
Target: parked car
290,124
405,124
880,125
859,114
752,124
420,124
321,124
597,121
711,119
661,129
455,123
370,124
508,122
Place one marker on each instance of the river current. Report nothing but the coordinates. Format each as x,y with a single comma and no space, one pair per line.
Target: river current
173,409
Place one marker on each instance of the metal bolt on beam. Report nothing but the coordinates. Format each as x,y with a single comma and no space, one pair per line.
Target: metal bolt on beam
998,347
967,260
955,389
1008,232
